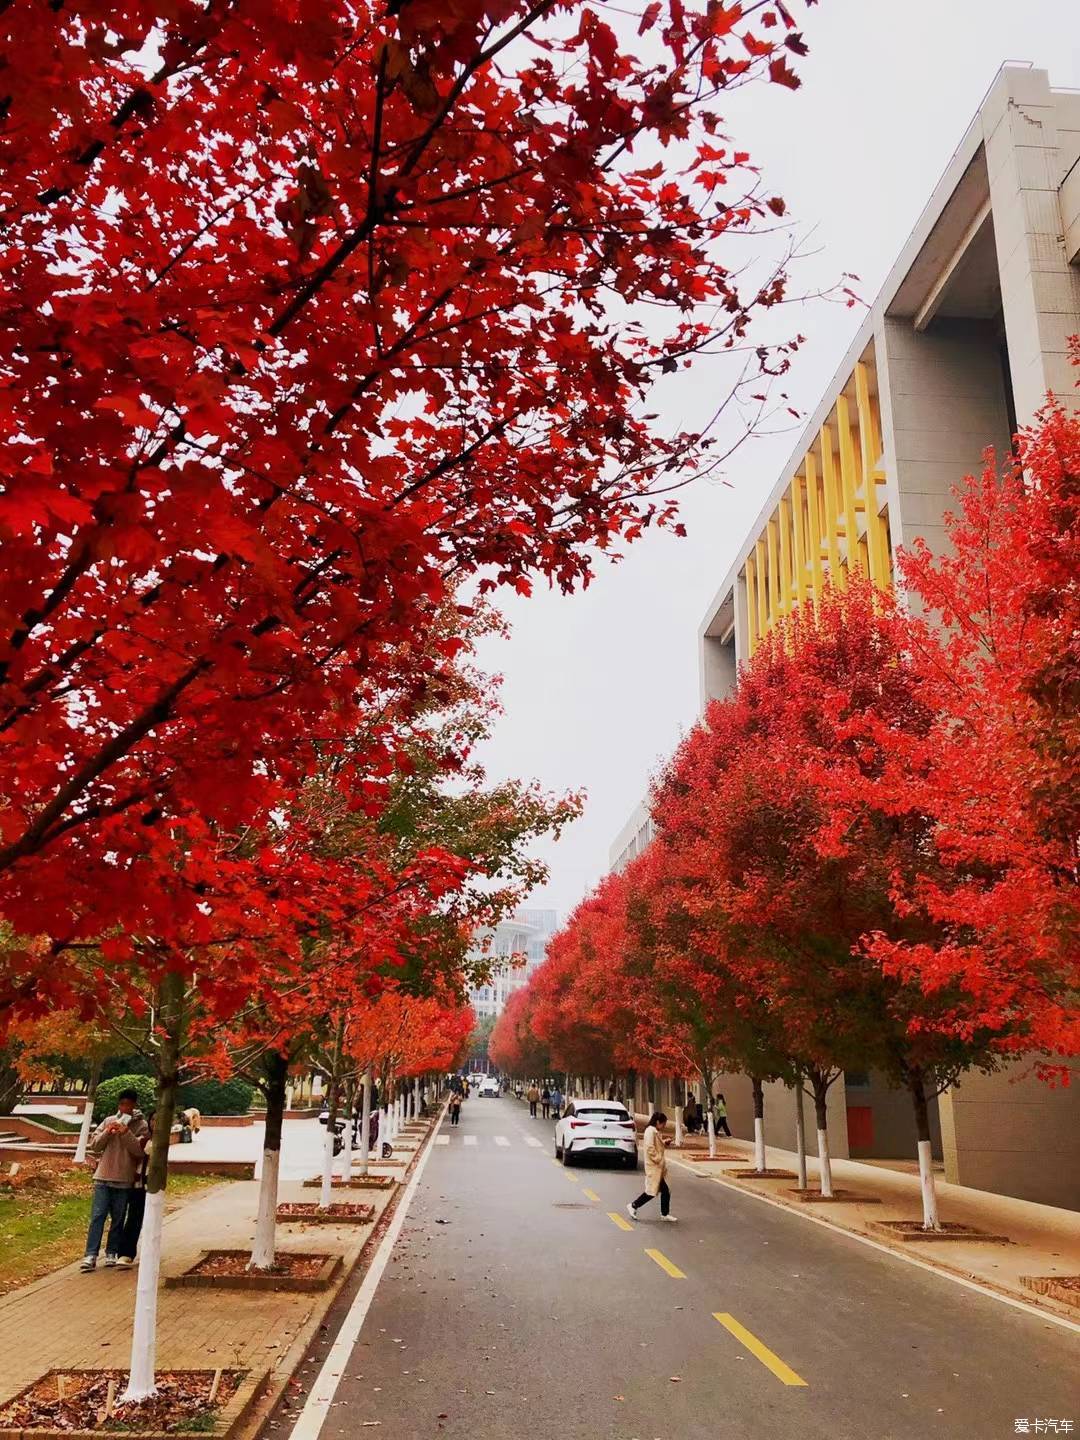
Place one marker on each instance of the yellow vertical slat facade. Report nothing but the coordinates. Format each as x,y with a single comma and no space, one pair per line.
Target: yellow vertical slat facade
830,523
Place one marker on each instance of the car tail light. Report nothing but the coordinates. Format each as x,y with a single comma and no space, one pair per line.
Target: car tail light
577,1124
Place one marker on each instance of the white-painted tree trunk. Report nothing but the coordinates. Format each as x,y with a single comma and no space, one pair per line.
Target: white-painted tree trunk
365,1123
824,1162
264,1248
327,1189
384,1131
346,1147
712,1133
759,1143
141,1384
929,1187
800,1135
678,1128
84,1131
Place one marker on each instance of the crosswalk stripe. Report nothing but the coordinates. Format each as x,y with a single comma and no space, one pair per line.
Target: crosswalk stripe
470,1139
532,1140
501,1140
442,1139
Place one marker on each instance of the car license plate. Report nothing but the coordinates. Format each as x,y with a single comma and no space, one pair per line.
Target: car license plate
605,1142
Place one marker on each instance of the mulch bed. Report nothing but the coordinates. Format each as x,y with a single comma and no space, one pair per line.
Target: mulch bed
181,1404
228,1270
764,1174
357,1182
340,1213
708,1159
846,1197
913,1230
1065,1288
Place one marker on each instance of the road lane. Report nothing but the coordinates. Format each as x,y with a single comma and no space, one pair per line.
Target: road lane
515,1307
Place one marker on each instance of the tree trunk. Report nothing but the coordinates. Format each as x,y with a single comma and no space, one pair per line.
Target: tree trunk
88,1112
821,1100
141,1381
759,1123
326,1190
800,1132
263,1251
365,1123
926,1155
10,1089
347,1134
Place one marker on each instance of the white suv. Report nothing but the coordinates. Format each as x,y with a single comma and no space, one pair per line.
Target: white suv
596,1127
490,1087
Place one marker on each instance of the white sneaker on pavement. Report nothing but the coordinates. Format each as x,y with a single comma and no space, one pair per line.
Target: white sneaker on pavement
125,1262
670,1219
631,1211
110,1261
88,1262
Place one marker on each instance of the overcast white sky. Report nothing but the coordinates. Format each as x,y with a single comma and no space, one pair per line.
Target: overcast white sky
599,686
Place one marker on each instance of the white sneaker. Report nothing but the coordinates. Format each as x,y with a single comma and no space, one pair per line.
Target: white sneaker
125,1262
88,1262
110,1261
670,1219
631,1211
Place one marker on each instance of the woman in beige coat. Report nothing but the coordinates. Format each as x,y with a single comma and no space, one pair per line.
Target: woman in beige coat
655,1170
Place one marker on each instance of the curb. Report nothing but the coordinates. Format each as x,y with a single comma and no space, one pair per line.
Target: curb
1033,1303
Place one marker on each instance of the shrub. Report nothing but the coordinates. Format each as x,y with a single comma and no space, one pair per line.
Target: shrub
108,1093
217,1097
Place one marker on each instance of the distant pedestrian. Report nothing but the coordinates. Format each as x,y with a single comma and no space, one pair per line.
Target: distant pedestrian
117,1145
690,1115
720,1116
545,1102
455,1108
556,1103
533,1097
655,1147
192,1118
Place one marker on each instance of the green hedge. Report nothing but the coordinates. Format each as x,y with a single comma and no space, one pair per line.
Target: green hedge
218,1097
108,1093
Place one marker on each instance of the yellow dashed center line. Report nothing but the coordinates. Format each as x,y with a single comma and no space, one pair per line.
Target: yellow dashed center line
590,1195
665,1264
783,1373
617,1219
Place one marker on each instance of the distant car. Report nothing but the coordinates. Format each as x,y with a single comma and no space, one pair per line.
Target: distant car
490,1087
596,1127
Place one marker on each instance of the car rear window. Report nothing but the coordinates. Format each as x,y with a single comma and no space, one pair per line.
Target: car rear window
609,1112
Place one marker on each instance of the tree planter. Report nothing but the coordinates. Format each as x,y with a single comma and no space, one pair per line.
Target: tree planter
228,1270
344,1213
764,1174
841,1197
182,1406
1063,1288
213,1121
693,1159
913,1230
356,1182
179,1164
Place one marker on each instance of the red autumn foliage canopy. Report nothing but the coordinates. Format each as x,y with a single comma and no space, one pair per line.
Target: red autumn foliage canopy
312,310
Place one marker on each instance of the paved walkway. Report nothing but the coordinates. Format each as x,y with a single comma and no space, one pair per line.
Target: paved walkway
72,1319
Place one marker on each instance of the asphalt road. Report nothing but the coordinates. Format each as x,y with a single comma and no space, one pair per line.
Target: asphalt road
515,1308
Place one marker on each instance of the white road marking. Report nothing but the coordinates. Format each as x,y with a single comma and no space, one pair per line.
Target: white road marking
310,1420
532,1140
501,1140
470,1139
442,1139
1040,1314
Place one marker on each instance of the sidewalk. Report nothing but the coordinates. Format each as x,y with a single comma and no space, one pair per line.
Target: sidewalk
69,1319
1045,1240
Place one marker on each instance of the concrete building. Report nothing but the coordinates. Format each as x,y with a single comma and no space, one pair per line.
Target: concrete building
514,950
969,333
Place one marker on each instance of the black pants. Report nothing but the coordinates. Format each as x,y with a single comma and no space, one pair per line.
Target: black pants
133,1218
532,1107
665,1198
546,1108
722,1127
455,1115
